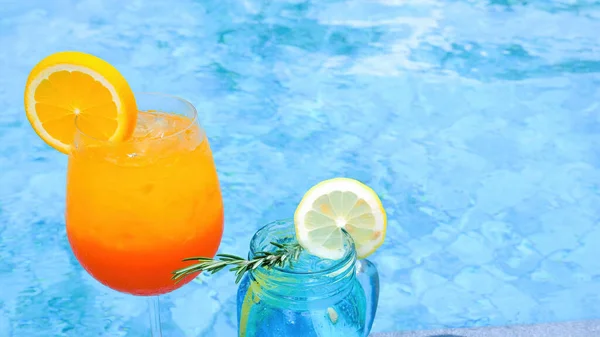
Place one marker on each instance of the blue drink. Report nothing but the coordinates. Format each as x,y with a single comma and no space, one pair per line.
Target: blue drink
314,297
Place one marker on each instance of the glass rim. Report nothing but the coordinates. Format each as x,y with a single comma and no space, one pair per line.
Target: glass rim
339,263
187,103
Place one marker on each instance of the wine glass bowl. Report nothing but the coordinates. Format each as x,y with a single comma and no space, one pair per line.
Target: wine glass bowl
136,209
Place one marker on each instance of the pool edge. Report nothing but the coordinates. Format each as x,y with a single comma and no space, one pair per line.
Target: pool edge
588,328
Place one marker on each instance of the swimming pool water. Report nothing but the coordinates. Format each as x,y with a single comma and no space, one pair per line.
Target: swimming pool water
476,121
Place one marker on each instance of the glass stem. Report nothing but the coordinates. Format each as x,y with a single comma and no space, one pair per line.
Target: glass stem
154,309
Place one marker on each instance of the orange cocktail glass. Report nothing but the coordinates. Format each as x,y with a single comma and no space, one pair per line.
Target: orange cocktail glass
135,209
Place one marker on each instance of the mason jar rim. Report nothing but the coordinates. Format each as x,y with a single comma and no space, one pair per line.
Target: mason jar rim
349,254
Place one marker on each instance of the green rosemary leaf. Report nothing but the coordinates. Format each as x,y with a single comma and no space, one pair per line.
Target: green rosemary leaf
260,255
229,256
185,271
285,253
256,264
217,269
199,258
277,244
239,277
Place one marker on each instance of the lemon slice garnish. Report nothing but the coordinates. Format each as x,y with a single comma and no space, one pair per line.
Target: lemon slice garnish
335,205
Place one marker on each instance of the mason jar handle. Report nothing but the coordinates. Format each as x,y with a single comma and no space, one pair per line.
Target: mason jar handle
367,275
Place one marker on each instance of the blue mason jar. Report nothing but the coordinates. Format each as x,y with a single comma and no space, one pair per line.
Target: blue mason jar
313,298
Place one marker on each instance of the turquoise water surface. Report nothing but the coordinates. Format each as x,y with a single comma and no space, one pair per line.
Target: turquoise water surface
477,122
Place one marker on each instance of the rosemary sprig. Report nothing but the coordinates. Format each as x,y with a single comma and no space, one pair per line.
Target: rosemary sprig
285,253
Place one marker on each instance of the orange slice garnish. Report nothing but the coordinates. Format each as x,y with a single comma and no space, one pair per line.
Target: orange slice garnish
71,84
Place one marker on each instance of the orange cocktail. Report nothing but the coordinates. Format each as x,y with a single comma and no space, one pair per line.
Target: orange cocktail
136,208
142,188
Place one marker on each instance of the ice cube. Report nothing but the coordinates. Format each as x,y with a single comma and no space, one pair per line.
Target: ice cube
152,125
